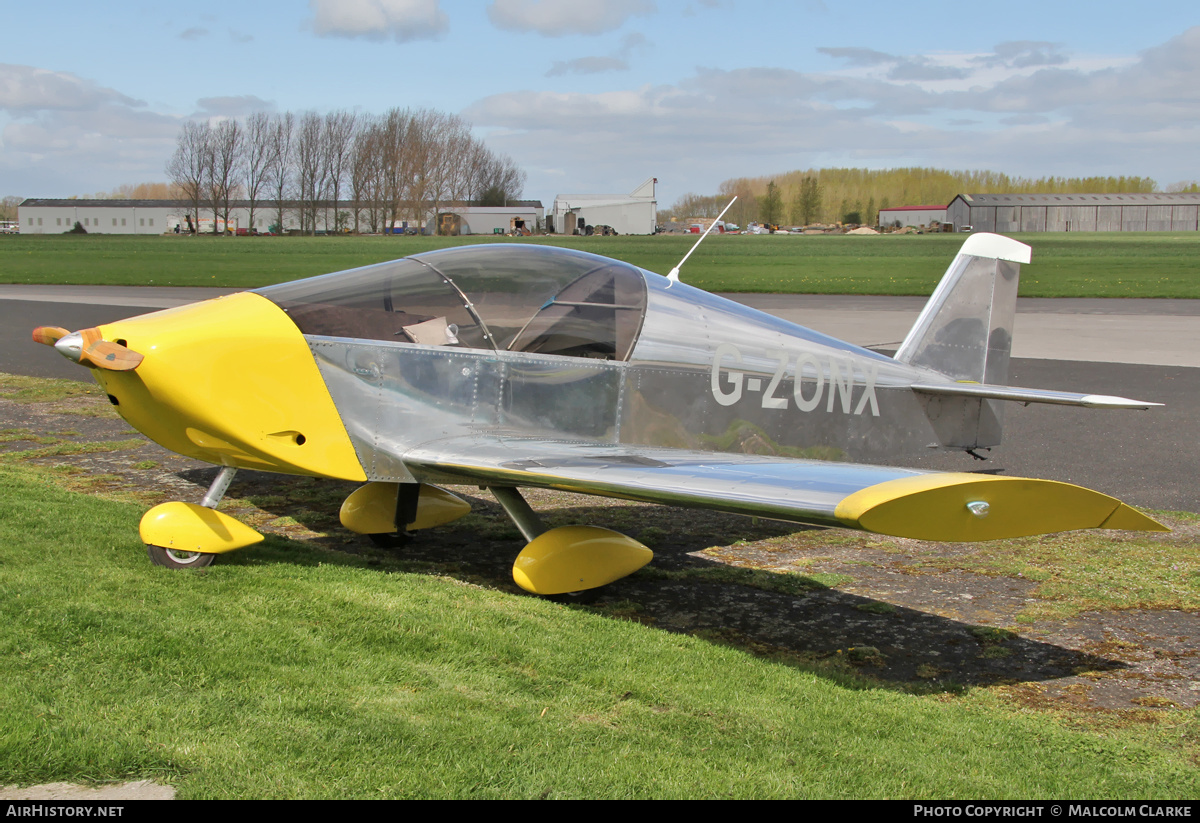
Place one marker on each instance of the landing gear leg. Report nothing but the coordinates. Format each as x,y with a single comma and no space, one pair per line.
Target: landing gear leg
568,563
407,497
177,534
218,487
519,511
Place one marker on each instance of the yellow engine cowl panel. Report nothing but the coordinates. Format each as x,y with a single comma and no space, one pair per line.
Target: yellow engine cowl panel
575,558
192,528
231,381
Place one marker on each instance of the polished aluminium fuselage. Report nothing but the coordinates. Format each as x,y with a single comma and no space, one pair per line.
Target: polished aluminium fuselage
706,374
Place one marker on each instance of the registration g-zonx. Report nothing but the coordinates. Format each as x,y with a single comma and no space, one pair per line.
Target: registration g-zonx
840,383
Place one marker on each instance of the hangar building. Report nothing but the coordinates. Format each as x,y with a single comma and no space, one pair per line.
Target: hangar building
1075,212
633,213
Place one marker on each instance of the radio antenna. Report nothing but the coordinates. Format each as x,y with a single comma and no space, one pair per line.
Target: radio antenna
673,275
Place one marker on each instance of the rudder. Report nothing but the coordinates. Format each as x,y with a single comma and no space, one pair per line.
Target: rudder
965,330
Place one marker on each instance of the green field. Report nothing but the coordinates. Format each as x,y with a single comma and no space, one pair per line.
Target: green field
1064,265
289,671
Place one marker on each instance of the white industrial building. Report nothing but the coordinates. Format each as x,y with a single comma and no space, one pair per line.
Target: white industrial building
497,219
55,216
633,213
50,216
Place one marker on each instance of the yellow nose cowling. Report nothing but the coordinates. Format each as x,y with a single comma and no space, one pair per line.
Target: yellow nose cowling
230,381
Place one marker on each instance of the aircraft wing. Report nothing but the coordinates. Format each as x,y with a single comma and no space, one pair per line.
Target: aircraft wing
895,501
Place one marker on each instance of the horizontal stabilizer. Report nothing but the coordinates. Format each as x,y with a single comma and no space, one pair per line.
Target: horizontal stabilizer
1058,398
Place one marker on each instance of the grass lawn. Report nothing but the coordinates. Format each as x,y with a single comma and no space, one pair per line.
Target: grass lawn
1064,265
291,671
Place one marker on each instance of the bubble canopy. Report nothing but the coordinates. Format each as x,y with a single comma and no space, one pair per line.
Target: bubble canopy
505,297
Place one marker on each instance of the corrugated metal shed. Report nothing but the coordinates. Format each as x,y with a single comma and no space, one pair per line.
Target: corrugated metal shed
1076,212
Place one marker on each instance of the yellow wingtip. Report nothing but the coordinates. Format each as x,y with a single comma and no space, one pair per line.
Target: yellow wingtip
1130,519
960,507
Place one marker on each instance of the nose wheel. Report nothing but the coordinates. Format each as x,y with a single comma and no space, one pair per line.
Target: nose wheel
176,559
189,536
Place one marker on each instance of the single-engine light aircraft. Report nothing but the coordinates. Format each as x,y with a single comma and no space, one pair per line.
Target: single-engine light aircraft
522,365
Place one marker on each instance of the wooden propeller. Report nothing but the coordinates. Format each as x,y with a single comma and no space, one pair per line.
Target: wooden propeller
88,348
48,335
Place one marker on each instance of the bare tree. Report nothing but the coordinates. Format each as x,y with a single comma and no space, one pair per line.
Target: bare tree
338,139
256,158
397,157
8,207
419,161
310,168
188,167
497,178
279,162
405,164
225,152
366,172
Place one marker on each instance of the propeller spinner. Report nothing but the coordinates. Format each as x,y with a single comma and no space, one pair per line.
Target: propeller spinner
88,348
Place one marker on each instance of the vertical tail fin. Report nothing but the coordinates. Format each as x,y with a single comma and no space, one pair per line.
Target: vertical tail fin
965,330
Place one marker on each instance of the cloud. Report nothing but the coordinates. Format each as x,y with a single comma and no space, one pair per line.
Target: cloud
617,61
233,106
903,68
587,65
555,18
1022,54
1095,116
194,33
63,134
399,20
64,152
921,69
859,56
26,89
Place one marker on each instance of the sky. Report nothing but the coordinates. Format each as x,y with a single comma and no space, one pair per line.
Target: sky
595,96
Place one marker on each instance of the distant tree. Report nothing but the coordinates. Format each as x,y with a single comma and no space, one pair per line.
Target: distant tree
338,143
225,151
406,163
1184,186
188,167
496,179
310,168
279,162
141,191
806,207
256,158
746,208
366,172
770,205
8,207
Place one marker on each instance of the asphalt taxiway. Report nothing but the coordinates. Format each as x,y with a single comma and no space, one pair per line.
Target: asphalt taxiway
1145,349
